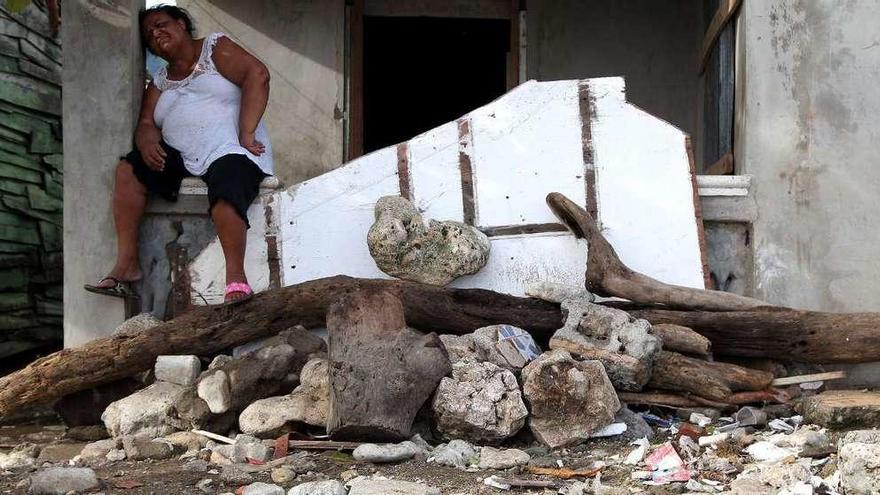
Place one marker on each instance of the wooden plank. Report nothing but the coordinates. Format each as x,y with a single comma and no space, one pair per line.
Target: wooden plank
513,57
465,164
356,81
724,166
814,377
726,10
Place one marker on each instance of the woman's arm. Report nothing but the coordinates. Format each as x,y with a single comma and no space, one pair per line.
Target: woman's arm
147,136
246,71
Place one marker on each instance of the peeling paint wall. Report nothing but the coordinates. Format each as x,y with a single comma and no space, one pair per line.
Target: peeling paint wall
301,42
807,129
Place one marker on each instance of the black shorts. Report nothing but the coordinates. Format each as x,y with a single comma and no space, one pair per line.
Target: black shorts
233,178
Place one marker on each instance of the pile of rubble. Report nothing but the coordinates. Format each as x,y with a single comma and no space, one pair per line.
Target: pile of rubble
601,401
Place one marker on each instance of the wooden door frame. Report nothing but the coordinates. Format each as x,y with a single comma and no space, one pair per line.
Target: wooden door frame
514,10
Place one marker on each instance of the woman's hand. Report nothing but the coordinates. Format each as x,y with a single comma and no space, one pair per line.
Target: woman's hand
250,143
153,155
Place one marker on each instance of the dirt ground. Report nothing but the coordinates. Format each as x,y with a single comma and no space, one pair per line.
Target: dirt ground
170,476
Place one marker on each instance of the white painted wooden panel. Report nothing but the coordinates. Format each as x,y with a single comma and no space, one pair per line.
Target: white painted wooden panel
644,188
436,178
525,145
324,221
516,261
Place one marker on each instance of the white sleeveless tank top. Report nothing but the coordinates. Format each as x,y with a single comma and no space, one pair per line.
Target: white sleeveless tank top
198,115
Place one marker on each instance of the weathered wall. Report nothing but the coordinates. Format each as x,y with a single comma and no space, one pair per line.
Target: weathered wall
103,81
653,45
301,42
30,184
807,129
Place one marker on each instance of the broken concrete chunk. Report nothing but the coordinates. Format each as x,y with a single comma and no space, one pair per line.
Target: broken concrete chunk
213,388
60,481
182,370
568,399
623,344
329,487
457,453
503,345
859,465
247,447
308,403
260,488
404,247
140,447
137,324
23,456
96,452
481,403
842,409
492,458
382,453
146,412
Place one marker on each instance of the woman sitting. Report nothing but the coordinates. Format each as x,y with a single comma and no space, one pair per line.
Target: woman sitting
200,116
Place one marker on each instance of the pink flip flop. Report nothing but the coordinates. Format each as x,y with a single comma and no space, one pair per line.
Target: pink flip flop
237,287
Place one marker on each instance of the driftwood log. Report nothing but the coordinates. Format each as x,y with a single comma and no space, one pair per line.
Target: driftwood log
682,339
781,333
711,380
736,325
606,275
381,371
212,329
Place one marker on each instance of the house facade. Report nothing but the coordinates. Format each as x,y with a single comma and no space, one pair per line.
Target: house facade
784,93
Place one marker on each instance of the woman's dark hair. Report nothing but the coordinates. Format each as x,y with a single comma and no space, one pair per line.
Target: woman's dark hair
173,12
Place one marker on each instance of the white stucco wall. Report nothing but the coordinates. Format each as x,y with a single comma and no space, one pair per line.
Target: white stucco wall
103,80
301,42
808,128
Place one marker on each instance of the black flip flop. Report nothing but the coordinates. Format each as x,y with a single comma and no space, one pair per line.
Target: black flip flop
118,289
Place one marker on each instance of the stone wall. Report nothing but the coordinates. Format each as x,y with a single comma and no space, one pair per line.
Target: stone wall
30,184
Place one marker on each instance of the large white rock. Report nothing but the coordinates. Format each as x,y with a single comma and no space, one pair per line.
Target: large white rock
404,247
308,403
568,399
481,403
144,412
182,370
260,488
491,458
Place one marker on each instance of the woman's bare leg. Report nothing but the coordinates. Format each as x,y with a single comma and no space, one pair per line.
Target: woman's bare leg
232,232
129,202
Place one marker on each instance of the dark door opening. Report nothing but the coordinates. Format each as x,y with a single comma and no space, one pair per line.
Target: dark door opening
420,72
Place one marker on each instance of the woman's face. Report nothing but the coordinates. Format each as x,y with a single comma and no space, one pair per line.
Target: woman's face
164,34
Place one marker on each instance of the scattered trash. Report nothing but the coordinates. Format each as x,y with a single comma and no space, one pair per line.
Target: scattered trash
700,420
611,430
638,454
654,420
780,425
567,473
714,439
494,482
751,416
765,451
666,465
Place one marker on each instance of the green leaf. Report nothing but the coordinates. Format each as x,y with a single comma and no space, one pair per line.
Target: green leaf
16,6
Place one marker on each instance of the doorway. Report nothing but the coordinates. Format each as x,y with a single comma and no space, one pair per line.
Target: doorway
421,72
